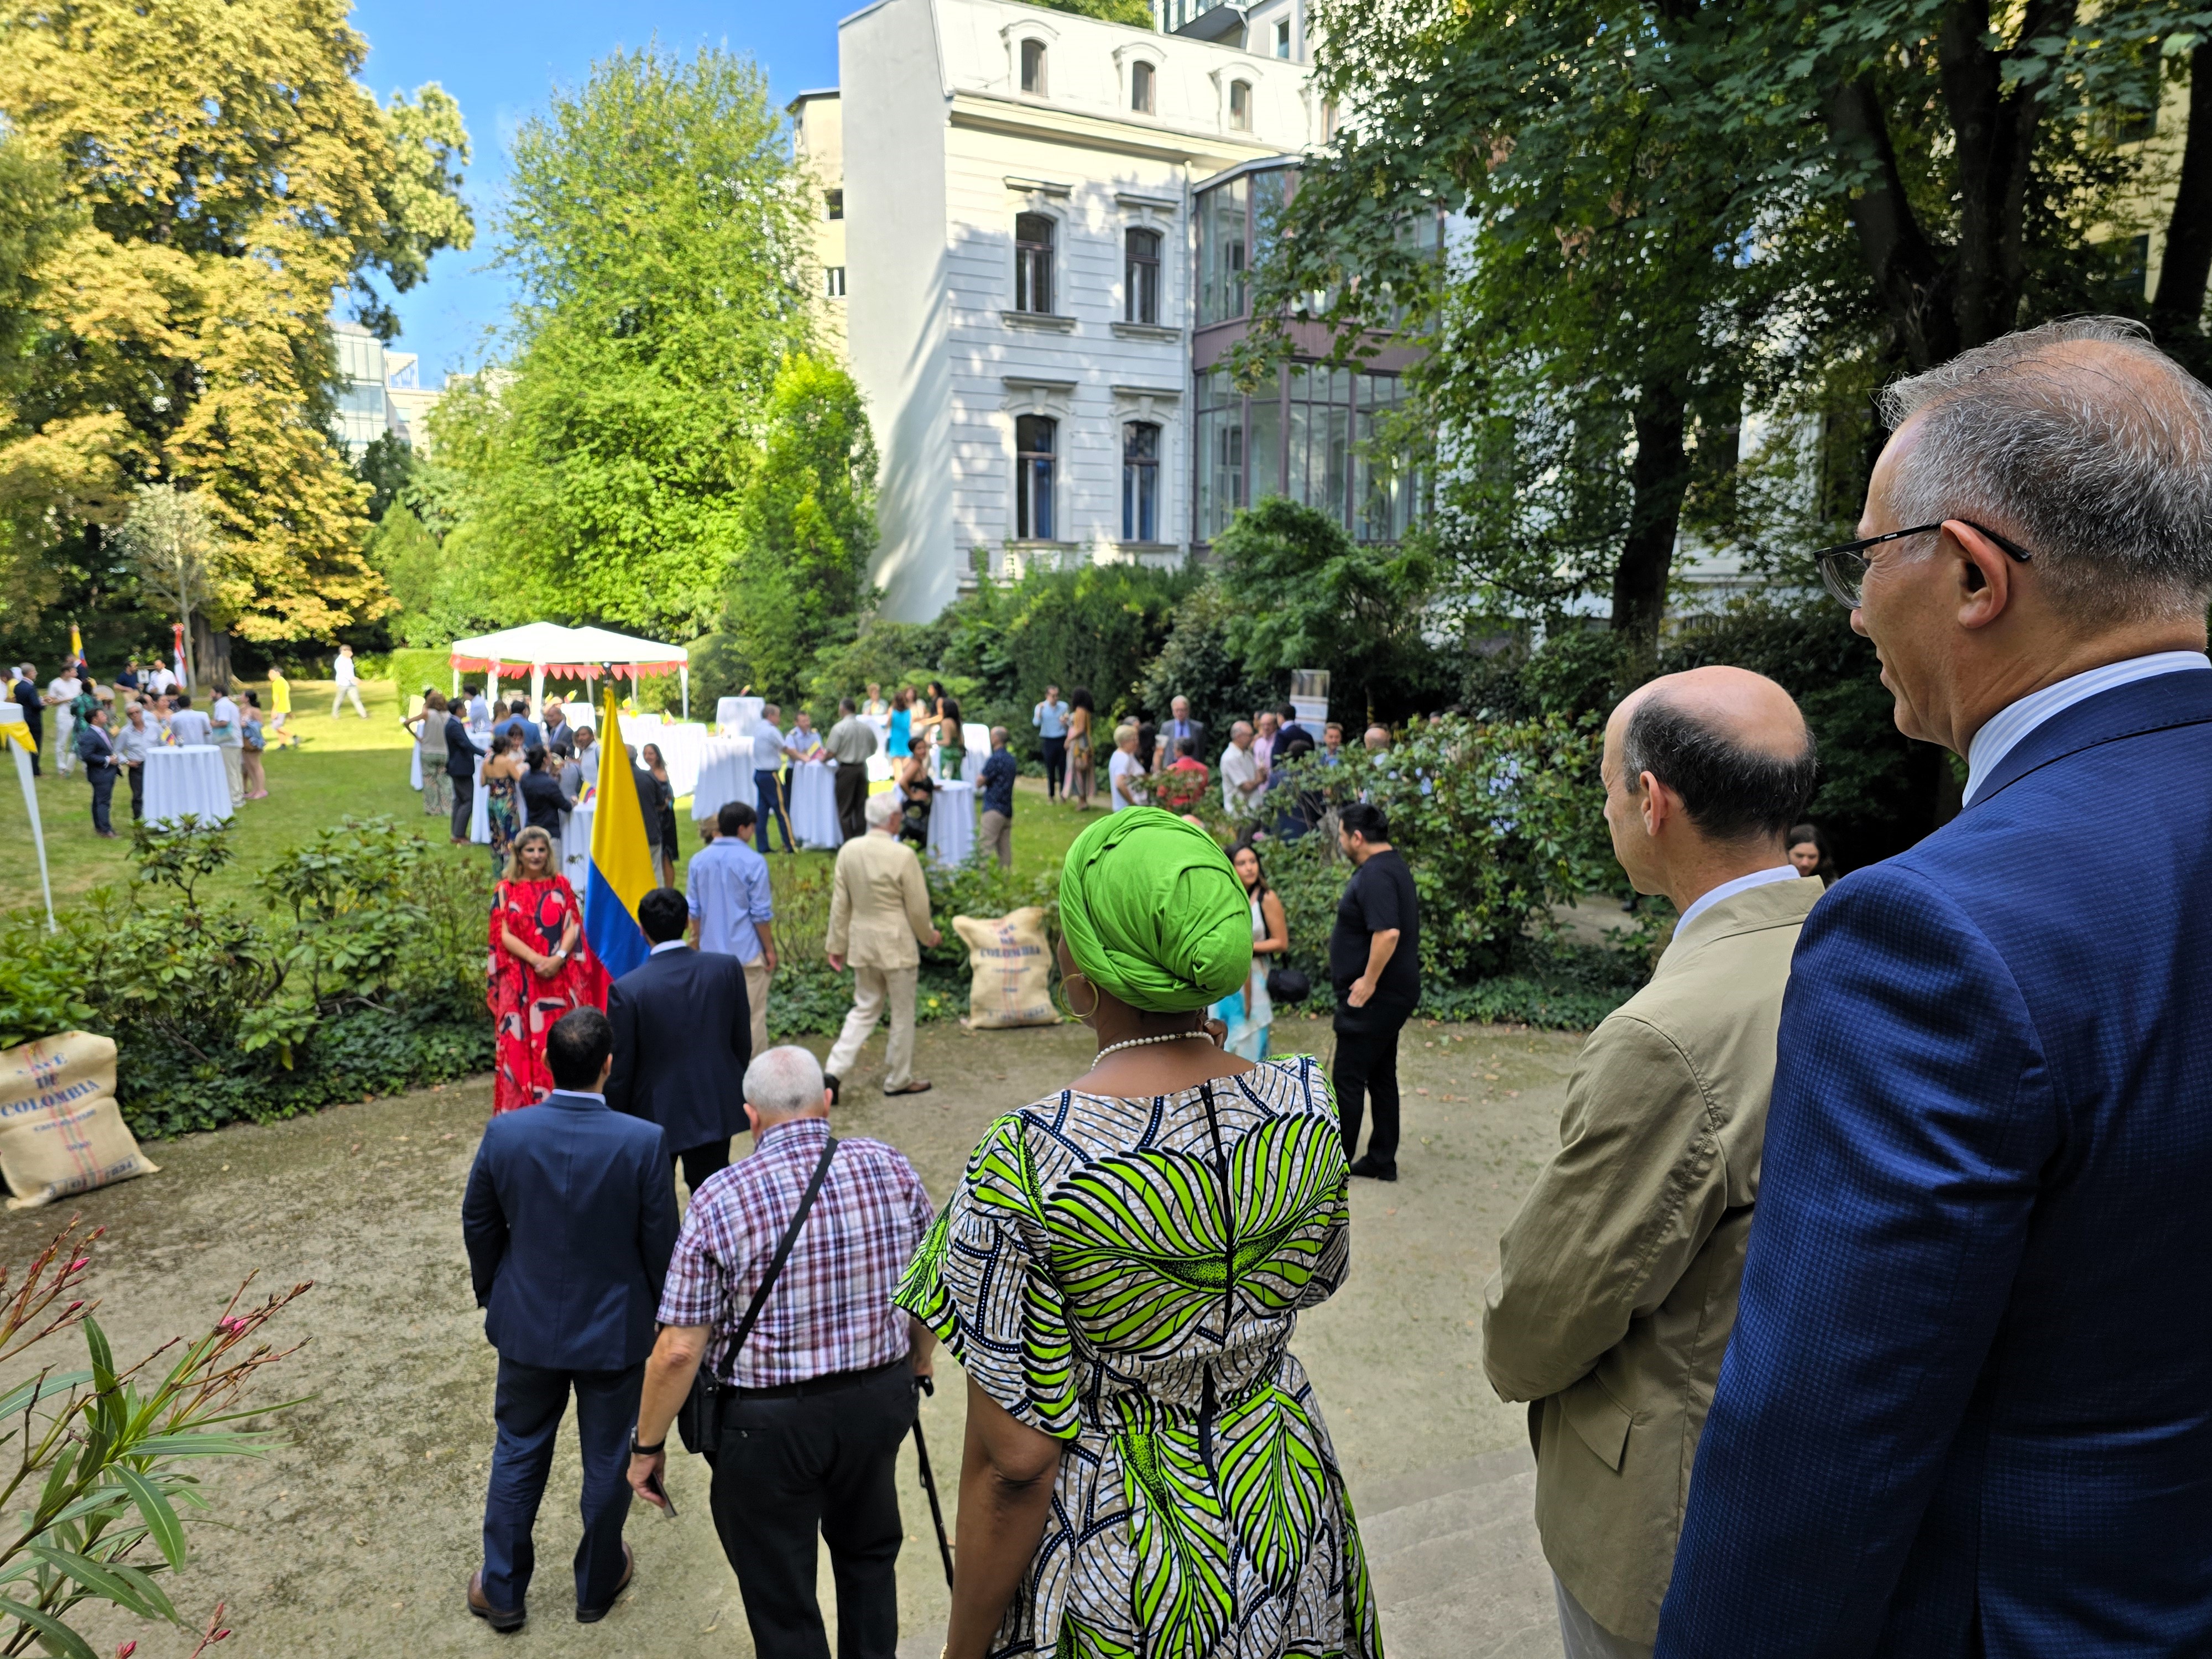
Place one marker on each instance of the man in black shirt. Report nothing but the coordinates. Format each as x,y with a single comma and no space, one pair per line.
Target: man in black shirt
543,800
25,691
1374,964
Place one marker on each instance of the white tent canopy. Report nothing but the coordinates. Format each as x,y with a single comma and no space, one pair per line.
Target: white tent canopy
576,653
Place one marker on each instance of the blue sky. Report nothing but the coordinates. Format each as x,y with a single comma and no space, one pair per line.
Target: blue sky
500,57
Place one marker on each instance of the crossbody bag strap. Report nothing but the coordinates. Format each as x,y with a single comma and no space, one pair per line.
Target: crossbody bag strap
783,1249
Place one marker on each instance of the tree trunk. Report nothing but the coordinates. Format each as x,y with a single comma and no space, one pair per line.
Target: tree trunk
211,652
2177,311
1913,287
1659,478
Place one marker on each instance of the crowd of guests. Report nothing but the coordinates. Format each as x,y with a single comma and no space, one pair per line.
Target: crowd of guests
1853,1309
108,728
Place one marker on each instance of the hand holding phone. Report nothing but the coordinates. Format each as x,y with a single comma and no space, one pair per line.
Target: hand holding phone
658,1492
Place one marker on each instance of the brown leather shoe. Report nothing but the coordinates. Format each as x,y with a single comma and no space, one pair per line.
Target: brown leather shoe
507,1621
919,1086
593,1615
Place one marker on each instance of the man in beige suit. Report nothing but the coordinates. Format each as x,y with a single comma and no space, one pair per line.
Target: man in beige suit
878,910
1617,1285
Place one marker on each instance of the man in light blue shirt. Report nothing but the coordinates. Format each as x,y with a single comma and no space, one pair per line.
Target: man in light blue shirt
768,787
1051,718
733,909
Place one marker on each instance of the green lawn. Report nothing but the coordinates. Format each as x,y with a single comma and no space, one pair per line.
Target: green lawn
348,765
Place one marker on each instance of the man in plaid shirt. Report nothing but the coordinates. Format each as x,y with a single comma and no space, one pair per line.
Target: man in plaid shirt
824,1384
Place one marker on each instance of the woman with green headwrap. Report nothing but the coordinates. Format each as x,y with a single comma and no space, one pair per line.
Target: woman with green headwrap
1146,1469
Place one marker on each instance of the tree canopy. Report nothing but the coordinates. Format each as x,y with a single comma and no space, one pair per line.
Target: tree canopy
659,233
200,177
1679,211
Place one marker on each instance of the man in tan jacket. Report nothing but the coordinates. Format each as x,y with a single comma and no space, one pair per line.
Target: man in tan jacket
1618,1285
878,910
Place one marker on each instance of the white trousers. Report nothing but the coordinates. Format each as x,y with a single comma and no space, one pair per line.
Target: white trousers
349,690
233,769
64,745
872,987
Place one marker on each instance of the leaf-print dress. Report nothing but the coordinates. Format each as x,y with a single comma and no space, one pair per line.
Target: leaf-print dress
1124,1275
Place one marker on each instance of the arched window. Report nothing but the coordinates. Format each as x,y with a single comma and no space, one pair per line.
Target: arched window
1140,482
1033,67
1240,105
1140,275
1140,88
1032,262
1034,437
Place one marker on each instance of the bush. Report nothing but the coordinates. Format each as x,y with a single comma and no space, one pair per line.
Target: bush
1196,663
362,976
409,671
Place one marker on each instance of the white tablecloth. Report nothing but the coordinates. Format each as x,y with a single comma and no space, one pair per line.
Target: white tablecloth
952,823
813,786
188,779
414,767
733,714
576,851
724,773
879,763
977,738
480,809
682,743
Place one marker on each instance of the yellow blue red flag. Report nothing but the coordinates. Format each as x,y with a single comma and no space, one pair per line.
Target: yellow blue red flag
622,862
77,644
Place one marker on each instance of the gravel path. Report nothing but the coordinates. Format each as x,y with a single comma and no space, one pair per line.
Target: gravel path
357,1536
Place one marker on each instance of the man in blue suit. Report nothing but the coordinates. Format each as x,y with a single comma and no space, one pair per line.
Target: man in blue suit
570,1219
683,1039
1967,1406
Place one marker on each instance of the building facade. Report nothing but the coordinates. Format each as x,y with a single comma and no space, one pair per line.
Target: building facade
379,391
1038,228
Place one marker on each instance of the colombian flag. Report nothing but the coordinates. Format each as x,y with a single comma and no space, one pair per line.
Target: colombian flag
622,863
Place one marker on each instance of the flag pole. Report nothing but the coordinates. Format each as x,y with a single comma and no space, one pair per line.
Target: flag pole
17,733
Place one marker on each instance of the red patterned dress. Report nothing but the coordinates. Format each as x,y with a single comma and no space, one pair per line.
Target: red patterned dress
524,1003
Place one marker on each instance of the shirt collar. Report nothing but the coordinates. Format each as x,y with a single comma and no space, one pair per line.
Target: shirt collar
592,1095
793,1130
1782,872
668,944
2003,731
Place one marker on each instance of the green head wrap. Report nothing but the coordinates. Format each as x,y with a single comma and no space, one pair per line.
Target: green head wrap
1153,912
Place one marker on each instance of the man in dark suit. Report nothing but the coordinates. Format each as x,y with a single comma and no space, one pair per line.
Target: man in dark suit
544,803
1963,1409
570,1219
461,757
683,1039
97,751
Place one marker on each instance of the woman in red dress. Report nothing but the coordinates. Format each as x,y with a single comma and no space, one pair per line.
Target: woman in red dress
541,968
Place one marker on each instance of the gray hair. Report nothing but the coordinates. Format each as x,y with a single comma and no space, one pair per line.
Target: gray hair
881,808
2101,465
784,1082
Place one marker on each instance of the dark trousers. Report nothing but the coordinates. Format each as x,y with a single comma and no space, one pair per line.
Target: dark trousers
852,801
138,776
1366,1070
769,806
528,1407
700,1162
1055,766
826,1462
102,779
464,797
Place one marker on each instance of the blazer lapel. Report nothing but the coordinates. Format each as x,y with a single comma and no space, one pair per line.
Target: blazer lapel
2157,704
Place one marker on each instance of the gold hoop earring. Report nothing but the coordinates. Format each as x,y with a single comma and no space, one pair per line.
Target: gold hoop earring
1098,999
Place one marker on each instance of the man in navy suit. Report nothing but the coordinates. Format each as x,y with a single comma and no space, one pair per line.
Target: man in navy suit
461,756
570,1220
683,1039
1967,1406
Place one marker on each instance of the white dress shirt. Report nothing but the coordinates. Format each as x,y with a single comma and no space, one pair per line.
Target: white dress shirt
1730,888
2001,733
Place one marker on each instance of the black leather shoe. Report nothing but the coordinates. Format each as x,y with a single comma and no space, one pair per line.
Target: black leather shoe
593,1615
829,1082
1374,1171
505,1621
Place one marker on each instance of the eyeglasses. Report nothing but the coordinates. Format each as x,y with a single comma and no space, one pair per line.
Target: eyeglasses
1843,569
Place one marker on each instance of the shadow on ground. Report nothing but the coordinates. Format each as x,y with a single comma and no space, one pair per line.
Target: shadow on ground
358,1535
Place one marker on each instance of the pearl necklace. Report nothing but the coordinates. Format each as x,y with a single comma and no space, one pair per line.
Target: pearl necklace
1143,1041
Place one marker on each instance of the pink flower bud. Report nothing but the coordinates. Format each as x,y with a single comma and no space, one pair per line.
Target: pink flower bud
231,1325
220,1634
79,1265
126,1650
72,1308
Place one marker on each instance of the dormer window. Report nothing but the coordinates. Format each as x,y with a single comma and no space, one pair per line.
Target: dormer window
1033,68
1240,105
1140,88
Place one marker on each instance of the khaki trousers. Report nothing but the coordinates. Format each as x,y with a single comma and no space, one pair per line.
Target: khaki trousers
233,769
999,836
756,978
872,987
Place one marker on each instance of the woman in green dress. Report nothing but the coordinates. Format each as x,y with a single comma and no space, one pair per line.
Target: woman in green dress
1146,1471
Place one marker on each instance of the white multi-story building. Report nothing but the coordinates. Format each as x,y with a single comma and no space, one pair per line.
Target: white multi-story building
379,391
1042,227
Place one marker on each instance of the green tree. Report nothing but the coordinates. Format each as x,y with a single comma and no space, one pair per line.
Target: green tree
225,174
1136,12
172,537
657,234
806,526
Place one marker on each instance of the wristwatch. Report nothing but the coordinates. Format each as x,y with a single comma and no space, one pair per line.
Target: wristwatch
653,1450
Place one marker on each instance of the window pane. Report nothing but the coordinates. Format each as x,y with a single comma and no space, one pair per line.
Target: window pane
1032,262
1270,190
1140,88
1221,246
1240,105
1265,447
1033,66
1220,453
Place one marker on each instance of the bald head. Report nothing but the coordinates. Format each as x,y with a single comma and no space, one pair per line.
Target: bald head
1731,743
